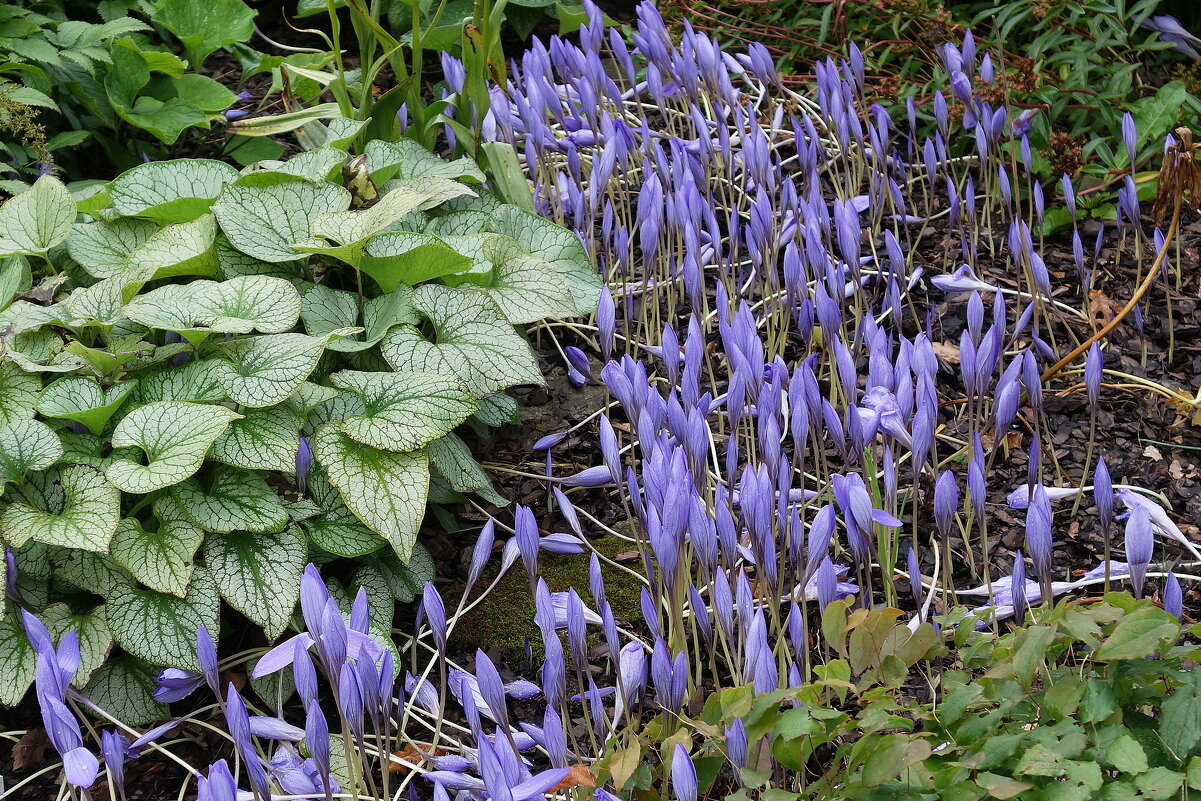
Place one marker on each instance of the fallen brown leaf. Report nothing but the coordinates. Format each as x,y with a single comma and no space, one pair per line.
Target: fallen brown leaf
30,751
579,776
413,755
947,351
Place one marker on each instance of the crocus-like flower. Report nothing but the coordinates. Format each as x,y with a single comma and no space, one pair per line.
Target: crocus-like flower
683,774
1170,30
1140,545
1017,588
946,503
53,674
1173,598
219,785
962,280
480,553
1038,533
115,748
175,684
435,615
304,463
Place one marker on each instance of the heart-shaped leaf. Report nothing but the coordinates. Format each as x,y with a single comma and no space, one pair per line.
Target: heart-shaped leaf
554,244
184,249
124,687
266,370
263,214
84,400
91,629
162,558
234,500
196,382
27,445
403,411
87,518
325,310
237,306
19,393
402,257
408,159
174,436
103,248
161,628
340,532
37,219
474,341
256,573
385,490
172,191
525,287
17,661
264,439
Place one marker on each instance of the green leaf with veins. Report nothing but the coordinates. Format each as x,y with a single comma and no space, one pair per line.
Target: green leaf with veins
19,392
25,446
197,382
104,301
93,572
37,219
497,410
340,532
237,306
124,687
84,400
263,214
558,246
325,310
174,191
405,579
17,661
205,27
233,263
453,460
183,249
401,257
87,519
403,411
264,439
259,574
408,159
161,628
473,341
103,248
526,288
174,436
234,500
385,490
162,558
95,639
266,370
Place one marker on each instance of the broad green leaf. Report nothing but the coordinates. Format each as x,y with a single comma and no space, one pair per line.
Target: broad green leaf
325,310
1138,634
204,92
104,248
84,400
1180,717
264,371
37,219
264,439
205,27
340,532
453,460
497,410
406,579
161,558
174,436
259,574
124,687
403,411
94,572
408,159
1125,754
25,446
86,520
17,661
172,191
526,288
263,214
473,341
233,263
95,640
19,392
233,500
15,277
559,246
316,165
103,302
161,628
386,491
237,306
187,248
401,257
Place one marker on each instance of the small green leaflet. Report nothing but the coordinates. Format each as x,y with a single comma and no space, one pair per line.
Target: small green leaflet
233,500
264,439
386,491
124,687
27,445
263,214
172,191
104,248
18,392
162,628
95,640
161,559
84,400
255,573
403,411
237,306
37,219
266,370
89,515
474,342
175,438
453,460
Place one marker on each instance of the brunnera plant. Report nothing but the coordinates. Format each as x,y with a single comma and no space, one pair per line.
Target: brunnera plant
210,378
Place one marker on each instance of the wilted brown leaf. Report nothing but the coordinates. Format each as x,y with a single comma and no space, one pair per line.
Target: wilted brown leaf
579,776
30,751
947,351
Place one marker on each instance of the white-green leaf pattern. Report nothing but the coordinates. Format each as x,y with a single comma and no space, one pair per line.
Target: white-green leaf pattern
403,257
18,393
84,400
161,559
453,460
557,245
172,191
235,500
324,310
27,445
474,341
526,288
124,687
87,520
408,159
386,491
161,628
17,661
404,410
37,219
262,215
258,574
103,248
95,640
175,438
237,306
340,532
184,249
266,370
196,382
94,572
264,439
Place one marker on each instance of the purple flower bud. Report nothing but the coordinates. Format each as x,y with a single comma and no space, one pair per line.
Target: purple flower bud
1140,546
435,616
1129,138
316,737
525,529
1103,494
304,674
304,461
1093,365
206,653
606,323
736,743
827,583
219,785
233,114
481,553
1017,588
115,748
1173,598
683,775
946,502
597,476
578,360
1038,532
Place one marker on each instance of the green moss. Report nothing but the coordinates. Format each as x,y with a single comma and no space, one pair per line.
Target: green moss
506,617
